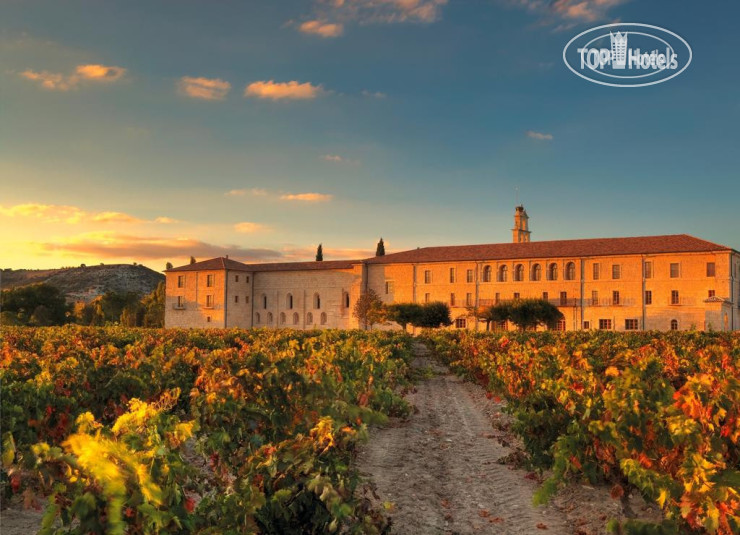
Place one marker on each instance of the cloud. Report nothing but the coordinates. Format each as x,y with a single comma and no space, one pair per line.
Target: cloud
165,220
255,192
307,197
248,227
298,254
373,94
379,11
283,90
332,158
322,28
105,245
204,88
72,215
570,11
83,73
539,135
100,73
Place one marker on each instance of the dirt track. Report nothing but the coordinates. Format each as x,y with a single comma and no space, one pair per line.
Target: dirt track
439,467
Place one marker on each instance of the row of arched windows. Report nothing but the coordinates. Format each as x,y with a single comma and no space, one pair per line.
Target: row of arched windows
535,272
283,318
289,301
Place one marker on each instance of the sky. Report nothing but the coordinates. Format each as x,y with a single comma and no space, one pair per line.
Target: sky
150,131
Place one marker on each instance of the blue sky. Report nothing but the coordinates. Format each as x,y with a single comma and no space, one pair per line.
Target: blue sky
149,131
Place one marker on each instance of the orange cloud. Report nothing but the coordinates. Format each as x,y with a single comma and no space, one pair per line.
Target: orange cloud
283,90
204,88
572,11
48,80
306,197
83,73
100,73
322,28
247,227
53,213
114,217
256,192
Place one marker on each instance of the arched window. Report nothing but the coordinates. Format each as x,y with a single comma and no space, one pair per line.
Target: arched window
282,318
536,272
257,318
323,318
264,301
552,272
295,318
316,301
269,318
487,271
309,318
519,272
674,325
289,301
503,273
570,271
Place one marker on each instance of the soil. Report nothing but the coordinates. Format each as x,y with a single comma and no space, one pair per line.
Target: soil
447,470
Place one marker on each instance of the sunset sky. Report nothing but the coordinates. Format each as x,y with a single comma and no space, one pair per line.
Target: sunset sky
150,131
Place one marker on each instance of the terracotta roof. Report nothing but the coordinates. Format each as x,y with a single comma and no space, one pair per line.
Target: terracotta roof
232,265
213,264
678,243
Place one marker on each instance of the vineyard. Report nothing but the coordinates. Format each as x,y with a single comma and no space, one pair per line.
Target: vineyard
658,413
141,431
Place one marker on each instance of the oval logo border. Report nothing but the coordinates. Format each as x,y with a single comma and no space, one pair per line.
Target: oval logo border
641,25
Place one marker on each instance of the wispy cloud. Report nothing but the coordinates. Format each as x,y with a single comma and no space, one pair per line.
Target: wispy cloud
292,90
306,197
568,13
332,158
166,220
71,215
95,73
373,94
297,254
539,135
203,88
248,227
255,192
322,28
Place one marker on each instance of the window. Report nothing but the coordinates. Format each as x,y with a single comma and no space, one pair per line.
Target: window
236,299
208,319
503,273
460,323
181,281
597,271
552,272
570,271
519,272
246,299
346,300
426,298
560,325
469,276
616,271
452,300
536,272
487,274
427,276
269,318
452,274
309,318
469,299
674,325
247,279
675,268
648,297
497,298
236,278
323,318
282,318
289,301
545,296
594,298
563,299
257,318
210,280
631,324
711,269
711,293
295,318
264,301
586,324
648,270
516,295
615,297
605,324
209,301
389,287
180,301
316,301
674,297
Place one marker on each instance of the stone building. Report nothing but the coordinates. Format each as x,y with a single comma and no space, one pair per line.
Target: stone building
674,282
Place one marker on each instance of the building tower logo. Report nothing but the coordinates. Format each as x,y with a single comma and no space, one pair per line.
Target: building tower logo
619,50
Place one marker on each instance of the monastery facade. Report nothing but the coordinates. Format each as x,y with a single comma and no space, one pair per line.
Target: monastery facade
675,282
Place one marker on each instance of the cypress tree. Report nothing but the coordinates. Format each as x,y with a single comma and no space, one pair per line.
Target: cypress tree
380,250
319,253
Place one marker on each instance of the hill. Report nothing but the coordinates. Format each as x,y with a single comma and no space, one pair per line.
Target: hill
86,283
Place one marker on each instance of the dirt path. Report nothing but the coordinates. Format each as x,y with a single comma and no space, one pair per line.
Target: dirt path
439,467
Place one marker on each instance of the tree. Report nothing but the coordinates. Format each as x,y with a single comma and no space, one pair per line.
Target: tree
527,313
192,260
168,265
380,249
404,313
369,309
154,307
319,253
36,304
434,315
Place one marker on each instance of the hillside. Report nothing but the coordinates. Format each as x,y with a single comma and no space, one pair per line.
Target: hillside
86,283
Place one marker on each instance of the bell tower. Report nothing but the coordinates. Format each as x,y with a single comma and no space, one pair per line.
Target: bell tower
521,231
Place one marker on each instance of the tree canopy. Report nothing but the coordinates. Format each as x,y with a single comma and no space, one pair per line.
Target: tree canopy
526,313
369,309
320,253
380,249
36,304
404,313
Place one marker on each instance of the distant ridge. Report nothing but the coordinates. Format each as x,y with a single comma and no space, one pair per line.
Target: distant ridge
87,283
